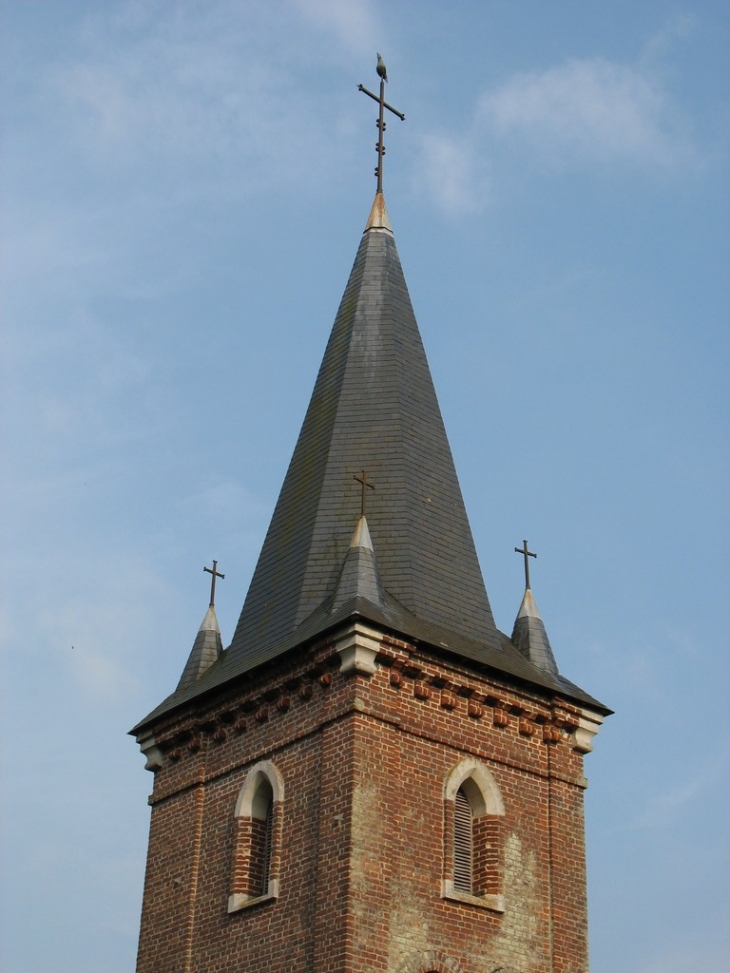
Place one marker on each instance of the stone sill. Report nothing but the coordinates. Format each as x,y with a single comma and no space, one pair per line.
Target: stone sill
239,900
495,903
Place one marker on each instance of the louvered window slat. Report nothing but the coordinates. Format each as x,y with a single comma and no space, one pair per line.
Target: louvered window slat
463,843
267,847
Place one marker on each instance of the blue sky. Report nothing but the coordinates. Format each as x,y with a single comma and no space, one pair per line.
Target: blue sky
184,187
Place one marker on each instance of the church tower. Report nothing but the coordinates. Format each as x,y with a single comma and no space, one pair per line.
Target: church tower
371,777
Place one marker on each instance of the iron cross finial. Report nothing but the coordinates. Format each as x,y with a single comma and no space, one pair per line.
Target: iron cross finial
526,553
214,573
363,481
380,146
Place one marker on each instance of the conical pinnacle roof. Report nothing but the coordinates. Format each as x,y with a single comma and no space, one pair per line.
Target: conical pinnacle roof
206,650
530,636
373,408
359,577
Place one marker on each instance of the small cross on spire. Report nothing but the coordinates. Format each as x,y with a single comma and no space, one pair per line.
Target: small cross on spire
527,554
380,145
215,573
363,480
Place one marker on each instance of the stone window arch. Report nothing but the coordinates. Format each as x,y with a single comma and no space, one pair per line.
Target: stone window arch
473,836
430,961
257,837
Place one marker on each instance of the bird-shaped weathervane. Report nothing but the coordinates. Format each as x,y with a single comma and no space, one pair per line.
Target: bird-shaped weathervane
380,145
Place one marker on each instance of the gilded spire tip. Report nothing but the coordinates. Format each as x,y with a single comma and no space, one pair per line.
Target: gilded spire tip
378,219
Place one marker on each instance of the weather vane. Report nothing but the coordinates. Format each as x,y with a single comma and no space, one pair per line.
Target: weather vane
527,554
380,147
215,573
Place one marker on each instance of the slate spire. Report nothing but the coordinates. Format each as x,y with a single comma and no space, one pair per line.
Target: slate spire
374,407
359,577
207,649
530,636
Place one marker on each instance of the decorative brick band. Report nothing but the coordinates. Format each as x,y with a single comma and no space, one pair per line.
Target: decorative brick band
541,722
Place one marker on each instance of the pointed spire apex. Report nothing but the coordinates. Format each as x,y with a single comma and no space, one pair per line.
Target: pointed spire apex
206,649
208,644
529,635
378,219
361,536
359,577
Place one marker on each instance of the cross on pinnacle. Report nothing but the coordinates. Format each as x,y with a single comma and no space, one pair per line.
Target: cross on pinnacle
363,480
380,146
527,553
215,573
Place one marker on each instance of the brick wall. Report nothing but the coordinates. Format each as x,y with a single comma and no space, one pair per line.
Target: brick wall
360,836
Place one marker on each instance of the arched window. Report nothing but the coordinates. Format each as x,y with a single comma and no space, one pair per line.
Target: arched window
473,814
463,843
261,826
257,821
430,961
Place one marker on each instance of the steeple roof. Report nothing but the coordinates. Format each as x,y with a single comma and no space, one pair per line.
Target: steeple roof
412,565
359,577
530,636
206,650
374,408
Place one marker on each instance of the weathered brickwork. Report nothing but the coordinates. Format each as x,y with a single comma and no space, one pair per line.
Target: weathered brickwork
362,843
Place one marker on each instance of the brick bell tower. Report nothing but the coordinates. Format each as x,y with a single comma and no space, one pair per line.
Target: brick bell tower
371,777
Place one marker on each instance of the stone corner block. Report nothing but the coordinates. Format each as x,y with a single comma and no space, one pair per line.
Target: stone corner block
358,650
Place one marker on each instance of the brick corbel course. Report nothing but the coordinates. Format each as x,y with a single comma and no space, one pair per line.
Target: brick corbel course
500,716
475,709
448,699
421,690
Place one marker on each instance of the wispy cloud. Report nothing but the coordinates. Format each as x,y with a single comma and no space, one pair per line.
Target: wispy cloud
588,112
455,172
172,100
664,809
83,628
678,26
353,23
217,84
699,956
101,676
582,115
227,502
